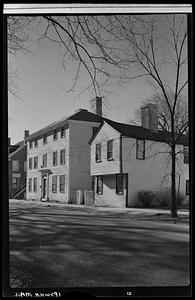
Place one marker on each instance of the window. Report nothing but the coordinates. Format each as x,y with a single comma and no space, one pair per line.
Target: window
110,150
186,154
55,135
62,133
36,143
35,184
35,162
99,185
98,153
119,184
62,157
30,144
62,183
30,163
15,181
25,166
140,149
44,160
30,185
187,187
15,165
54,183
55,158
45,139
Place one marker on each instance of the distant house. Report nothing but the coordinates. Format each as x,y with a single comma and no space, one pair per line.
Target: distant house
126,159
17,155
58,156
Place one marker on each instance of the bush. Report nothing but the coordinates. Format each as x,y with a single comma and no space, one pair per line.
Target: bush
145,199
149,199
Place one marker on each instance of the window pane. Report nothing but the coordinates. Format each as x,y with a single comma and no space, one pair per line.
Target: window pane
119,183
15,165
30,163
54,183
140,149
99,185
187,187
44,160
35,184
55,135
98,152
62,157
62,132
186,154
30,185
45,139
55,158
62,183
110,149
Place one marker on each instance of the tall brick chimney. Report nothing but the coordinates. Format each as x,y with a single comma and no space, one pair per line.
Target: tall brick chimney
26,134
149,117
96,106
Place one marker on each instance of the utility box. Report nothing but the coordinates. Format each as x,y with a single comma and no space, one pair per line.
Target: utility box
88,198
79,197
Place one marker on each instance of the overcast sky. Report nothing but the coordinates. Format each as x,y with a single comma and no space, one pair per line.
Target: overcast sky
44,99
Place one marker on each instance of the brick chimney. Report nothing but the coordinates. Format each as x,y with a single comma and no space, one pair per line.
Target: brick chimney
149,117
96,106
26,134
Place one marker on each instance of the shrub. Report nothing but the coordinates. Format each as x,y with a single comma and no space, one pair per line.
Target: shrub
145,199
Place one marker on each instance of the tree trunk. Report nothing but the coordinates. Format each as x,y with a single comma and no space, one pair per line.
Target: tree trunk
173,190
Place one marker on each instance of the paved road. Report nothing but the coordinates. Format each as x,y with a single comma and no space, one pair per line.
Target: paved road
50,246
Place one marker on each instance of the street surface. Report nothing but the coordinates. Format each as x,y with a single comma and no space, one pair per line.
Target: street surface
53,246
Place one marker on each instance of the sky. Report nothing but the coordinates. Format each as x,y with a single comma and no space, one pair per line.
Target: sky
43,97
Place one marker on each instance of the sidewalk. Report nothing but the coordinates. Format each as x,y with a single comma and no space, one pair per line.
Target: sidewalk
107,210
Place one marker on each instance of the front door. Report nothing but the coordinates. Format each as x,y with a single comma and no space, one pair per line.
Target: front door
44,188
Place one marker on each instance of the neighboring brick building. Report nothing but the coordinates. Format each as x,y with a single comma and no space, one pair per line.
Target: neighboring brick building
126,159
17,168
58,157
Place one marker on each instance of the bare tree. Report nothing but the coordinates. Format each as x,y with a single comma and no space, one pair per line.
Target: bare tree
159,47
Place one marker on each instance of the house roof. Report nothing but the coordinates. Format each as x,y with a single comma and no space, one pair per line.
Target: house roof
17,150
141,133
81,115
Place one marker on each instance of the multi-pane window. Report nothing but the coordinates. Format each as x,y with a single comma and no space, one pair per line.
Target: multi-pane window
110,150
54,183
62,157
99,185
140,149
55,158
62,132
15,181
44,160
55,135
98,152
62,183
186,154
30,144
15,165
35,162
30,163
30,185
36,143
187,187
35,184
119,183
45,139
